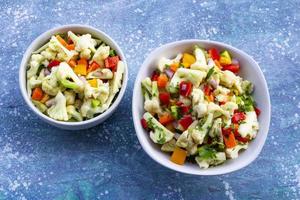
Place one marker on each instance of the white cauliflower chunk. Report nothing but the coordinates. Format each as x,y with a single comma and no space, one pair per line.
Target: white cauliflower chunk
58,111
250,126
165,61
34,64
234,152
101,54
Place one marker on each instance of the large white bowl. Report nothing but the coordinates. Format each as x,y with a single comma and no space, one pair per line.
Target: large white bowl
45,37
249,70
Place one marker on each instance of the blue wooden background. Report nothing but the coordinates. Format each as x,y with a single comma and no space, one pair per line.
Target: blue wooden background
38,161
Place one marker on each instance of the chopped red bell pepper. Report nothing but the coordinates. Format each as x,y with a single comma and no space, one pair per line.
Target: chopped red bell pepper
241,139
53,63
207,90
237,117
144,123
154,76
214,54
164,98
112,62
184,109
226,131
179,103
185,88
233,68
185,121
257,111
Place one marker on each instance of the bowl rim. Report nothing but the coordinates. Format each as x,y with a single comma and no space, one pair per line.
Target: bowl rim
140,132
48,33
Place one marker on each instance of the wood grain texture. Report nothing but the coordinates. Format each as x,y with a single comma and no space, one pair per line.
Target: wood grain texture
38,161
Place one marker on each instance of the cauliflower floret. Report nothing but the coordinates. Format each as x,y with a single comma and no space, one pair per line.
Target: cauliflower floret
50,83
101,73
216,110
217,159
200,63
34,64
39,106
202,128
216,130
160,134
228,78
101,54
100,92
151,103
250,126
183,74
169,146
234,152
33,82
62,52
49,54
84,44
72,113
230,107
65,73
200,109
70,97
59,110
165,61
198,96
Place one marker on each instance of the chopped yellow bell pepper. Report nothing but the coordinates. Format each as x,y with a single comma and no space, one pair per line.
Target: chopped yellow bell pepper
188,59
178,156
81,67
93,83
225,58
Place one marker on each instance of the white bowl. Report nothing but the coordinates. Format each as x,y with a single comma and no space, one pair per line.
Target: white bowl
249,70
45,37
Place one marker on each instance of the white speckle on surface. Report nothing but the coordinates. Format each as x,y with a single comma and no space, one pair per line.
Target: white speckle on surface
228,191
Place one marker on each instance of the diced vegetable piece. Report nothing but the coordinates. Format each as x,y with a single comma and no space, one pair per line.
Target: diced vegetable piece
174,112
230,142
165,119
45,98
37,94
162,81
185,109
93,67
185,88
225,58
154,76
174,67
186,121
72,63
53,63
81,67
93,83
112,53
112,62
164,98
144,123
188,59
214,53
218,64
237,117
233,68
208,91
70,47
226,131
257,111
69,84
95,103
178,156
62,41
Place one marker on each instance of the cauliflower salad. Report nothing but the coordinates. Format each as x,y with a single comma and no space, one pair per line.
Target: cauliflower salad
198,109
74,77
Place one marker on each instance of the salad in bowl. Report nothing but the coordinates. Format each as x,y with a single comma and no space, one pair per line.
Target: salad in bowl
74,77
198,109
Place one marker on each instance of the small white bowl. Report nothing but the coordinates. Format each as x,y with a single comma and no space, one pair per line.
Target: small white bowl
249,70
45,37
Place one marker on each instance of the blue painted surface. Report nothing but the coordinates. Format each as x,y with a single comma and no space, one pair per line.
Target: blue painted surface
38,161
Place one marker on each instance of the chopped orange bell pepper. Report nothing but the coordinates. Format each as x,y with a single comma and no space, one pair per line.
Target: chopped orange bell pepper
37,94
162,81
178,156
230,142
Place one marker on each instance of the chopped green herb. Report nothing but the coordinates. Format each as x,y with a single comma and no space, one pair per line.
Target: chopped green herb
209,73
112,53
